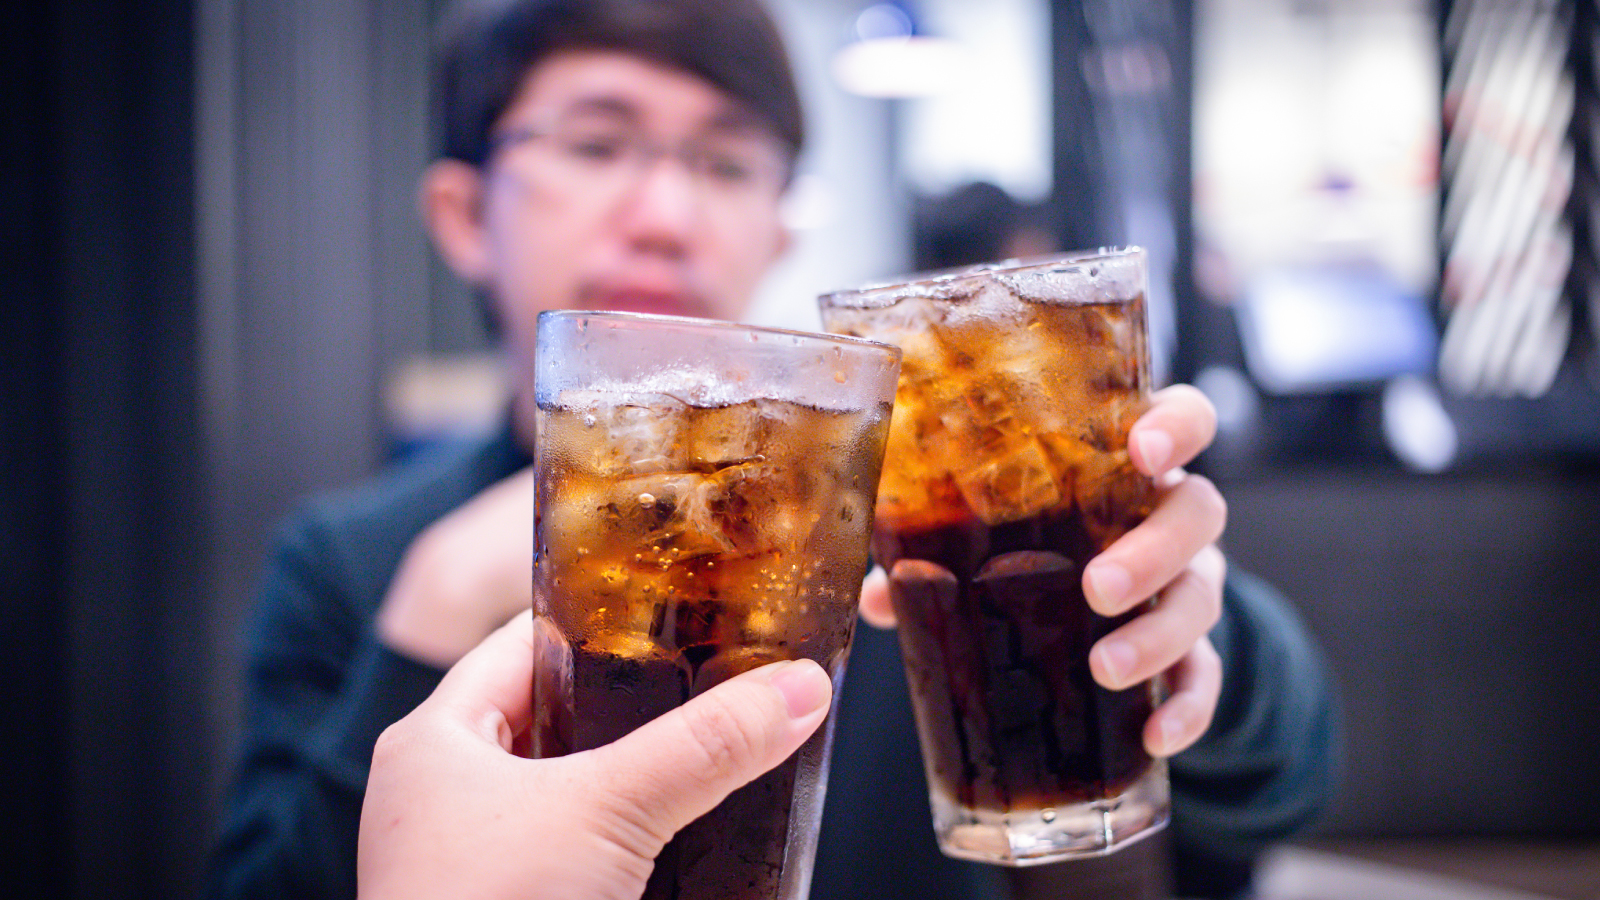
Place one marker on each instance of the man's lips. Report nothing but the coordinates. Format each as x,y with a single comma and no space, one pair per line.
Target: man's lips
662,303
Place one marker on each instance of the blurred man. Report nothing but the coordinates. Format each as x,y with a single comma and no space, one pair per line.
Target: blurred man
631,154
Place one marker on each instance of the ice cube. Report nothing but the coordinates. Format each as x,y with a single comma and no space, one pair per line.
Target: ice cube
573,519
757,579
854,511
718,436
673,514
1050,285
1010,487
762,625
1113,418
914,502
996,415
915,477
1043,365
1106,354
831,443
1068,452
760,506
624,643
915,429
656,519
913,460
1062,356
684,621
731,662
1110,326
774,415
770,575
1112,495
925,357
635,438
981,416
594,590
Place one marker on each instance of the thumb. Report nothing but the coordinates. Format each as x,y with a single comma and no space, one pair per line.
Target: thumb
490,690
674,769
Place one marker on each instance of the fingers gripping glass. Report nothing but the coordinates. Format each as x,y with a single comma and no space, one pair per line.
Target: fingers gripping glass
611,156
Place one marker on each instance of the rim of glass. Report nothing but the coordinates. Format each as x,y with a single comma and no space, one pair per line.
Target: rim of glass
698,324
1071,259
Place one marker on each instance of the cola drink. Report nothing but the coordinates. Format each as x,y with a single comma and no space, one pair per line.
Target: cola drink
1007,471
695,523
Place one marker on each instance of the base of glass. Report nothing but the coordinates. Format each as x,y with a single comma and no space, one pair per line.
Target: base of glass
1021,837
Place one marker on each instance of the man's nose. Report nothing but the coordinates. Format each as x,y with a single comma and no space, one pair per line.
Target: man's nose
663,210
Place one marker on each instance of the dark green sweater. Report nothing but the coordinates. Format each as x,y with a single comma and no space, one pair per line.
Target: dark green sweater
321,688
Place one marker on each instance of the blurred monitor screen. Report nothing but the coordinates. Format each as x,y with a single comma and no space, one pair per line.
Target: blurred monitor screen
1316,185
1323,327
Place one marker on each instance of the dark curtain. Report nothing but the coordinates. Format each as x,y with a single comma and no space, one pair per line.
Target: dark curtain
100,492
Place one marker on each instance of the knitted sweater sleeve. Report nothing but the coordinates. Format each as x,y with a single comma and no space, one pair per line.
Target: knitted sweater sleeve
319,690
1268,764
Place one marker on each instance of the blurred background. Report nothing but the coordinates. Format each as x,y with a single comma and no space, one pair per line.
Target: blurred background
1373,225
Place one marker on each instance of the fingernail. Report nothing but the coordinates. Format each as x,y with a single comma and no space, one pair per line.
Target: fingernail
1109,583
1155,448
804,686
1117,658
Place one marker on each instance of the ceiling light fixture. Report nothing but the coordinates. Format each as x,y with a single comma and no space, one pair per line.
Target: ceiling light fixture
890,57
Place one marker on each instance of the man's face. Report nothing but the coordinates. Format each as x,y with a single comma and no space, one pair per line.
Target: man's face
619,184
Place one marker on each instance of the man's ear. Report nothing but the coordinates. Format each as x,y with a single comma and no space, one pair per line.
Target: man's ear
450,199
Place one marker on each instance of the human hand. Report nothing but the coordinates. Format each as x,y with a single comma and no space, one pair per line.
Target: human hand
464,576
451,811
1171,556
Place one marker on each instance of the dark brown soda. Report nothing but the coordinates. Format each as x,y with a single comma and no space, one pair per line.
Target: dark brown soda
996,633
737,850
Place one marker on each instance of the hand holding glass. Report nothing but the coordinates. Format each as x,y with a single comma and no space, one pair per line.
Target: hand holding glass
1007,471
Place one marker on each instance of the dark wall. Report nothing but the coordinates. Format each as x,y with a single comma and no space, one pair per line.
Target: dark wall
99,437
213,258
1460,616
32,523
314,280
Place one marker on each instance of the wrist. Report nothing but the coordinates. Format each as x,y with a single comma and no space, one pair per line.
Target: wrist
432,612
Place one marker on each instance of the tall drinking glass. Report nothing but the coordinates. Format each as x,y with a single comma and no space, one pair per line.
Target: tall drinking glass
705,496
1007,471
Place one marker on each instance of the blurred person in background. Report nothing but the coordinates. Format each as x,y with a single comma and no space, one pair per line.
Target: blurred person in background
632,155
977,222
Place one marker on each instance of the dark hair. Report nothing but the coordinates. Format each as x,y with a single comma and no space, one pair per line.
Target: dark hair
971,224
489,46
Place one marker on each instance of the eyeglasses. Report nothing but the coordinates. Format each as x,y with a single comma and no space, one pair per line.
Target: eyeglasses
608,156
